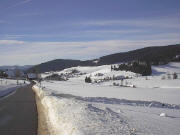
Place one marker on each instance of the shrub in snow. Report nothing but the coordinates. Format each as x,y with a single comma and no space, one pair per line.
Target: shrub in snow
74,71
88,79
115,84
56,77
175,76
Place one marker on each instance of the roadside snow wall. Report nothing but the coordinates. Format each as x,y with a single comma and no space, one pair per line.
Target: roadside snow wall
51,121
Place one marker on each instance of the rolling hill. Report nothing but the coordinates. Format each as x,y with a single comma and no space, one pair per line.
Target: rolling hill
157,55
54,65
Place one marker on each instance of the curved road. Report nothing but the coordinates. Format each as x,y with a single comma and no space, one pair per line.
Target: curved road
18,113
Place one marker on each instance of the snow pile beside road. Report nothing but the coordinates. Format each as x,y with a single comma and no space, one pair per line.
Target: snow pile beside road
74,115
68,115
58,114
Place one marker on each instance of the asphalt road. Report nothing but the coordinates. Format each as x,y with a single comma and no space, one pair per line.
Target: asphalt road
18,113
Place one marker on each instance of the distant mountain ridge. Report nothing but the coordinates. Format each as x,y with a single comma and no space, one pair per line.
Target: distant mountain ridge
155,55
152,54
54,65
24,68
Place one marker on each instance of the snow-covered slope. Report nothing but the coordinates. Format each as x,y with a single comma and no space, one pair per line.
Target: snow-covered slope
169,68
151,88
75,107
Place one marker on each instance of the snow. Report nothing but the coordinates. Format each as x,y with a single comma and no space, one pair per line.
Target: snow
163,115
8,86
77,108
166,95
171,68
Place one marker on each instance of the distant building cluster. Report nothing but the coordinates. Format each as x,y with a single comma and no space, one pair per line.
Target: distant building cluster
64,76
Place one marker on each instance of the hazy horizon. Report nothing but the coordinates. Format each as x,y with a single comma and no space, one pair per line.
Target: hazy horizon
75,59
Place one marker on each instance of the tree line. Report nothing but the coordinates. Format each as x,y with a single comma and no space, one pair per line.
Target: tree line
141,67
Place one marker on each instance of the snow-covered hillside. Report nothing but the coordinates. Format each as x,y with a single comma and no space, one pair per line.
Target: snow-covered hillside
76,107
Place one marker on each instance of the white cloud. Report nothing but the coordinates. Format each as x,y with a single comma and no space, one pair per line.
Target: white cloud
130,31
139,34
150,22
74,34
19,3
11,42
37,52
10,37
25,1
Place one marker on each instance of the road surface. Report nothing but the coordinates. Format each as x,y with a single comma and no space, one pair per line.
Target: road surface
18,113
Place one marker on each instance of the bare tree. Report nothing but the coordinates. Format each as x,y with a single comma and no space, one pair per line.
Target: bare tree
17,75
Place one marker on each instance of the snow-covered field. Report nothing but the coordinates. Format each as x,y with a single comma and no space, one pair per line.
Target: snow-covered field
8,86
151,108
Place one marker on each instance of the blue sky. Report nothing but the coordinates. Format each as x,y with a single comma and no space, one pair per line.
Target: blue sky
35,31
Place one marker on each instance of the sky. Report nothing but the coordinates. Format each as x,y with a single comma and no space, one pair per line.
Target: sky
36,31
